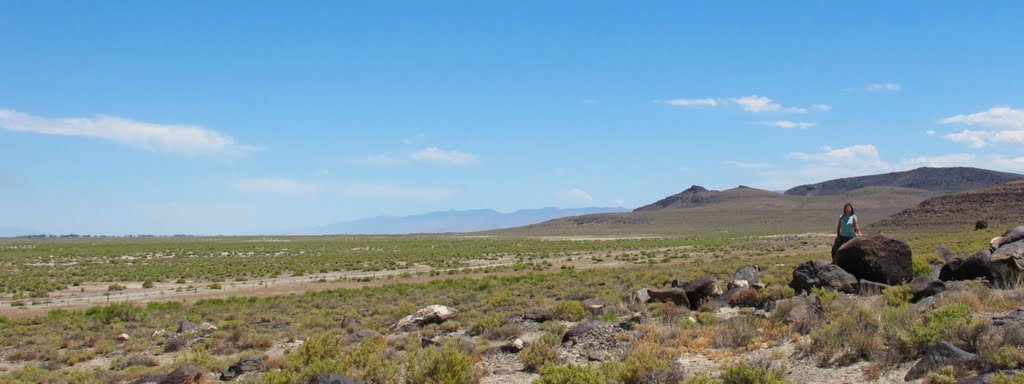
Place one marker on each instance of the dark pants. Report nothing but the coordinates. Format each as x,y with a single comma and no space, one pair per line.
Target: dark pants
840,240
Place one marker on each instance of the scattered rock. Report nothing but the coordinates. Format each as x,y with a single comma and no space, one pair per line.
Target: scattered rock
980,224
159,333
349,321
186,374
123,337
503,372
922,287
426,343
187,327
431,314
363,334
701,290
749,273
807,312
514,346
535,315
596,305
675,295
578,330
1006,329
1011,235
738,284
988,378
941,355
207,328
870,288
584,339
877,258
975,267
245,365
641,296
822,274
334,378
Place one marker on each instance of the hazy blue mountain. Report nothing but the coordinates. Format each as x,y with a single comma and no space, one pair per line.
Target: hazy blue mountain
449,221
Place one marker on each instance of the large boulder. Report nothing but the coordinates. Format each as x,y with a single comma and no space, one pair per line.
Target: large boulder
822,274
702,290
677,296
186,374
941,355
1011,235
1006,329
877,258
923,287
431,314
978,266
748,273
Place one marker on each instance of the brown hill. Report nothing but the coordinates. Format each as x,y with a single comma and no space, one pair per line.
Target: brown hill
1000,204
743,209
941,180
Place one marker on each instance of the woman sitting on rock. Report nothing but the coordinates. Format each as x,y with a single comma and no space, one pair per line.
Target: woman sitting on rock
846,229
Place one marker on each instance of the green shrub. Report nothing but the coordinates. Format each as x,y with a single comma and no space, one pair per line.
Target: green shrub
147,284
736,332
825,294
370,361
571,374
214,286
850,337
702,378
1000,378
939,325
542,352
897,295
922,268
447,365
484,324
322,346
116,287
648,363
124,312
1005,357
752,374
945,375
570,311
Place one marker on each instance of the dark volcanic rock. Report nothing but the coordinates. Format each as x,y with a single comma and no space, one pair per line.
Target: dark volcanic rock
1011,235
701,290
877,258
988,378
187,326
819,274
535,315
349,321
431,314
750,273
941,355
246,364
977,266
1006,329
363,334
980,224
186,374
922,287
334,378
675,295
870,288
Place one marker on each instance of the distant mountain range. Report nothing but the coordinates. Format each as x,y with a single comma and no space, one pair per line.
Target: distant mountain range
813,207
448,221
942,180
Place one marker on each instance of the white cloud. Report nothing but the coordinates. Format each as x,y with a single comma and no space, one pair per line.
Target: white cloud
1003,125
181,139
952,160
276,186
745,165
705,102
575,196
883,87
791,124
757,104
930,132
752,103
997,117
381,160
433,154
619,203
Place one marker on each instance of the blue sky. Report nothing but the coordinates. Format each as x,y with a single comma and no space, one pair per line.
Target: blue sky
236,117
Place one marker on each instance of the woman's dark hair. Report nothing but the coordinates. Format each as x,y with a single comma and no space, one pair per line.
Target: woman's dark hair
851,208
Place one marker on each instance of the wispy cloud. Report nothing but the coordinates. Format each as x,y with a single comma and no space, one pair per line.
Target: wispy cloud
756,104
883,87
791,124
746,165
705,102
1002,125
180,139
276,186
372,160
575,197
436,155
752,103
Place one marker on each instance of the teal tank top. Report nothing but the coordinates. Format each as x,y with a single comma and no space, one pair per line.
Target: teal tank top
846,226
